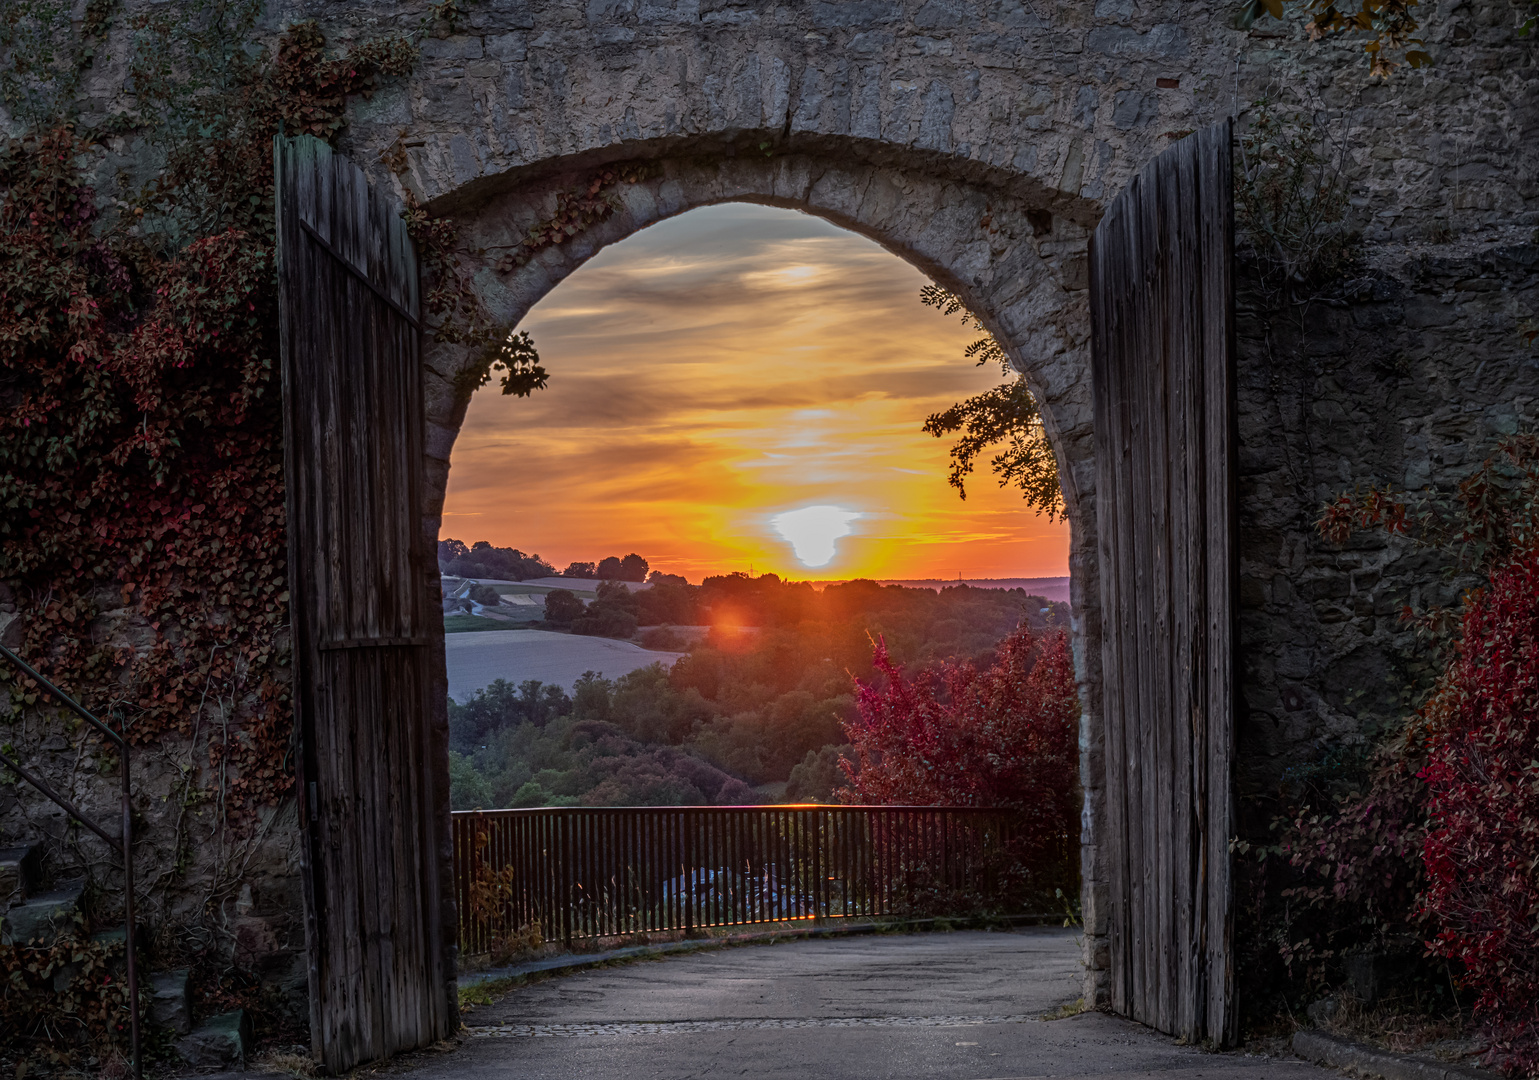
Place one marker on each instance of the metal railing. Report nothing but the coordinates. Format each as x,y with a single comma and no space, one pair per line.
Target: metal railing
583,873
124,842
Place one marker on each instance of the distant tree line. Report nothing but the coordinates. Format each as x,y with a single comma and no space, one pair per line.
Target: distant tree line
482,560
960,616
631,568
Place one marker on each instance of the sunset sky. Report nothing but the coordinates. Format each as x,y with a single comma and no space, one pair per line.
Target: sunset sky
732,389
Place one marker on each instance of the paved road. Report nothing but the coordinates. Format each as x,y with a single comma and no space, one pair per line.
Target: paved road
963,1006
476,659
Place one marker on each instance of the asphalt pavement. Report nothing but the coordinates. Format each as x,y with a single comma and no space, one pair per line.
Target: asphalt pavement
951,1006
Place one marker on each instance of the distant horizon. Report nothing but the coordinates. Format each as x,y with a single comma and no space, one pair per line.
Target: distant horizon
1052,585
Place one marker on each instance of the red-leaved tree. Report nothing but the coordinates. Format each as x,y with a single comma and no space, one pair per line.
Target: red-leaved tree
959,735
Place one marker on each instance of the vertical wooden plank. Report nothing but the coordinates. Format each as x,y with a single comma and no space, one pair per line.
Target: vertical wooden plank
1190,597
1222,569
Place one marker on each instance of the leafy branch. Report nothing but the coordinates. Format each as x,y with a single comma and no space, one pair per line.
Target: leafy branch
1006,414
577,209
1390,25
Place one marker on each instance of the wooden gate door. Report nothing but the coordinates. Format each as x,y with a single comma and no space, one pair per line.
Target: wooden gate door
1162,338
373,808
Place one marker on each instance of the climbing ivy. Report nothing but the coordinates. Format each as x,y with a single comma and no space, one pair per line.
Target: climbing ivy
1388,29
142,538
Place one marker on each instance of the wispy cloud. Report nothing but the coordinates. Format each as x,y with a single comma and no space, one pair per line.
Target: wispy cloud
726,366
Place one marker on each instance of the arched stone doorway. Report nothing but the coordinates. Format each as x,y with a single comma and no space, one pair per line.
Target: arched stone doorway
1016,252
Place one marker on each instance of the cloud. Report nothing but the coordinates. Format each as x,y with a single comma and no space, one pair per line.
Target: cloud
726,364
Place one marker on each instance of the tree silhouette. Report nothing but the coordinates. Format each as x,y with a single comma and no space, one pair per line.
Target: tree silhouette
1006,414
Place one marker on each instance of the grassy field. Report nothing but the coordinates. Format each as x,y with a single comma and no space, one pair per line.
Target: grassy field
582,587
557,659
463,624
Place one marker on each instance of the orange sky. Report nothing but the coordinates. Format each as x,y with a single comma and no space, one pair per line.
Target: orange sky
724,367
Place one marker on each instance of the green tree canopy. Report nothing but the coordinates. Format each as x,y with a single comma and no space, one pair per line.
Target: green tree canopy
562,607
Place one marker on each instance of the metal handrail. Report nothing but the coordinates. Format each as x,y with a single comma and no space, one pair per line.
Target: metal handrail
594,872
127,838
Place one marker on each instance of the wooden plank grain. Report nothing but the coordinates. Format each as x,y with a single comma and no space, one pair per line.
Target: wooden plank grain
381,976
1162,355
1223,588
1183,460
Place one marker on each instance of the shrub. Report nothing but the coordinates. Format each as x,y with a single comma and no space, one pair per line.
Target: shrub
1355,859
1474,746
959,735
818,775
1482,850
611,614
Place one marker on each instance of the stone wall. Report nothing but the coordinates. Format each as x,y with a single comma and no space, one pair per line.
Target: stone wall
1404,374
980,139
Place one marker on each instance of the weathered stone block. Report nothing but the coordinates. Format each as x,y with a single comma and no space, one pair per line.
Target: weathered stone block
21,870
171,1001
43,918
218,1042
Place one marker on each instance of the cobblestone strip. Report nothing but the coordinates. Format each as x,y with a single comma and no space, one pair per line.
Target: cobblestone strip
670,1027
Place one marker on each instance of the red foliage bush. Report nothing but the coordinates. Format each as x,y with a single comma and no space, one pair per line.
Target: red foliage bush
1477,743
958,735
1482,851
1357,866
140,468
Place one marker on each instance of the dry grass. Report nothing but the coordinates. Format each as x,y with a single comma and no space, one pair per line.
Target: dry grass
1405,1030
287,1063
1063,1012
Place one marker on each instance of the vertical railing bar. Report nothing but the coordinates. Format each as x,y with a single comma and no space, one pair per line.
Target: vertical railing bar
652,862
675,841
540,849
673,851
504,826
586,882
730,820
777,830
517,919
786,841
517,831
589,892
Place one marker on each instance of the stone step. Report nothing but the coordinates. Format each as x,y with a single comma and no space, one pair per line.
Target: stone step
113,938
45,917
219,1041
21,873
171,1001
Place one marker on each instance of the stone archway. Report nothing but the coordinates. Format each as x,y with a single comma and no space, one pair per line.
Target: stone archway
977,140
1017,254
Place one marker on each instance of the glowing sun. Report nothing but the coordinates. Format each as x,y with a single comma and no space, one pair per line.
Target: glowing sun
812,531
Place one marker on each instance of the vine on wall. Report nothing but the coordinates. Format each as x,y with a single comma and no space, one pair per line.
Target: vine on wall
142,534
